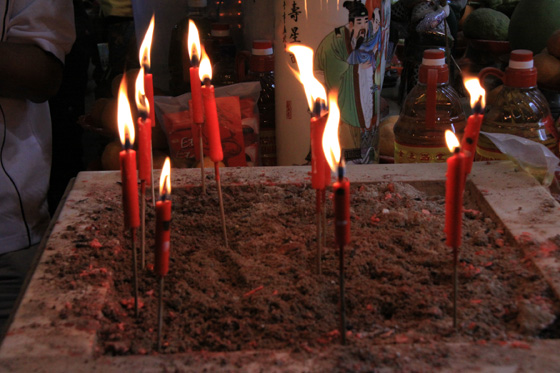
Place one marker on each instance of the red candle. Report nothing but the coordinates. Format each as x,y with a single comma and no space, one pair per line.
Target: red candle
129,189
195,52
320,171
149,86
127,159
341,189
144,149
144,130
163,221
470,137
145,62
196,96
454,186
210,111
212,124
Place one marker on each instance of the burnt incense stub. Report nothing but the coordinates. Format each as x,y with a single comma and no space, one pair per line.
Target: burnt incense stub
260,303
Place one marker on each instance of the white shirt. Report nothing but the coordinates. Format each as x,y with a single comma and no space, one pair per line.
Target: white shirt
25,127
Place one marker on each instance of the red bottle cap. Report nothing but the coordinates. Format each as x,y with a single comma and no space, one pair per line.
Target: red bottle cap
521,73
433,59
262,48
262,56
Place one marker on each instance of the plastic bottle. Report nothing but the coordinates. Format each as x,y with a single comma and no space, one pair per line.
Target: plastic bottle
432,107
222,51
519,108
179,62
261,68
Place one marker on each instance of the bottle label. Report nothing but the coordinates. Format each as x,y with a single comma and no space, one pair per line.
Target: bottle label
420,154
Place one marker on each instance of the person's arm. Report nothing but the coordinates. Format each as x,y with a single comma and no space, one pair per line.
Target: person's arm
28,72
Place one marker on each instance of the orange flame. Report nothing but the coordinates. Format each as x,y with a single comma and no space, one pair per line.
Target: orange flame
314,90
193,42
331,144
165,178
205,68
475,91
451,140
141,100
126,126
146,47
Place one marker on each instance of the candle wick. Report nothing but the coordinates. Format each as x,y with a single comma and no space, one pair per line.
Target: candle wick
127,144
143,114
319,107
194,59
457,150
207,81
146,66
478,106
163,192
341,168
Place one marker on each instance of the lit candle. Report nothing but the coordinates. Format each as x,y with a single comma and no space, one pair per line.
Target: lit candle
128,161
341,190
210,110
320,173
196,91
144,131
472,130
316,99
454,186
341,187
163,220
145,49
163,236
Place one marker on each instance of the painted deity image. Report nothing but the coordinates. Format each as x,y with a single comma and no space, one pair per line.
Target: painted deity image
350,59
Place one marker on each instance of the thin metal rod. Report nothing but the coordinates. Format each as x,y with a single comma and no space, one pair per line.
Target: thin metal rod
201,146
135,270
455,286
324,215
143,223
160,313
221,199
318,221
152,177
342,301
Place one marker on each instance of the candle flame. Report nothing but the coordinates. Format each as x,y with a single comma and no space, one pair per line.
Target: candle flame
314,90
165,178
205,68
141,100
331,144
126,127
475,91
451,140
146,46
193,43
